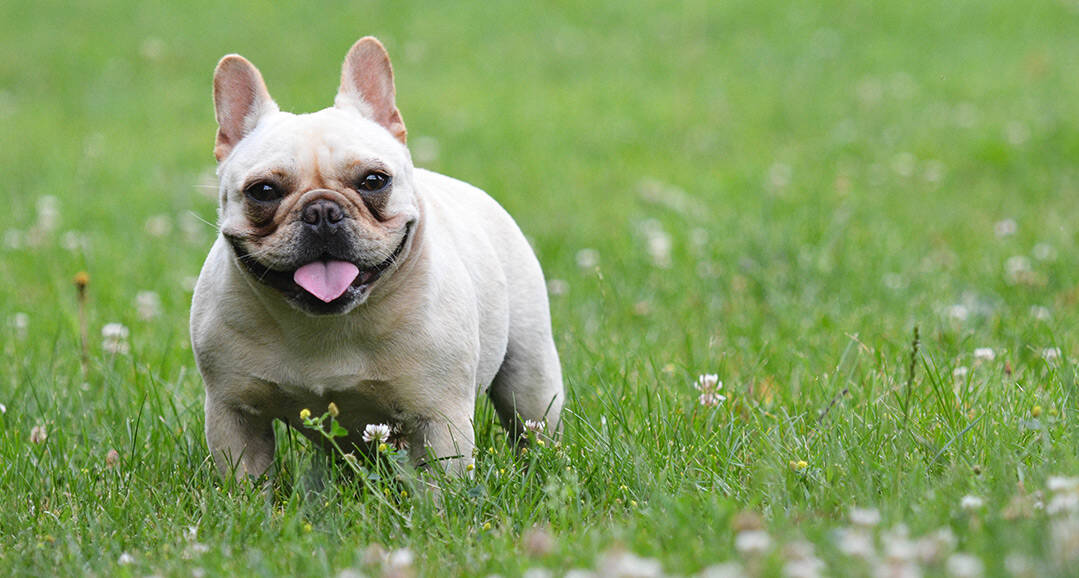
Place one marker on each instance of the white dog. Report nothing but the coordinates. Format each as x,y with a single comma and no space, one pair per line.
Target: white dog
343,274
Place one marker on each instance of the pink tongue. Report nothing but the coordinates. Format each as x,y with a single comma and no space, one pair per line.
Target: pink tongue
326,280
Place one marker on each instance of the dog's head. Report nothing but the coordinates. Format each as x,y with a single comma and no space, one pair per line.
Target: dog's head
320,207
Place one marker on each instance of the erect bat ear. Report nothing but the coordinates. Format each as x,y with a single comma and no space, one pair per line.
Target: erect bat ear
240,100
367,86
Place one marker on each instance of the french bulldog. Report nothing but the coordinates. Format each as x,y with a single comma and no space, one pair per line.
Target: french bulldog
342,273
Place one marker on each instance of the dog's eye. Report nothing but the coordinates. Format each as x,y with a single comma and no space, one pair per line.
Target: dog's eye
373,182
263,192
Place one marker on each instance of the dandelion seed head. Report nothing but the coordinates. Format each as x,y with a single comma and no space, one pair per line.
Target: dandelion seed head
148,305
114,338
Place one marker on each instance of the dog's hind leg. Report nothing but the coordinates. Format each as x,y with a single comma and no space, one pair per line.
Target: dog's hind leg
528,385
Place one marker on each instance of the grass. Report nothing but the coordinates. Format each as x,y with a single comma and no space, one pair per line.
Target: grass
776,193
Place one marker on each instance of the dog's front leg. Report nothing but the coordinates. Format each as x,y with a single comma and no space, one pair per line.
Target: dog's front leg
241,443
446,441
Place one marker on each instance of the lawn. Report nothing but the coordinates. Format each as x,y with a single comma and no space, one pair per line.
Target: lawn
861,217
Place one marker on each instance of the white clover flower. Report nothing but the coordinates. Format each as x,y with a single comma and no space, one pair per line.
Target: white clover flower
856,543
13,239
20,322
48,213
753,542
376,433
963,565
38,434
866,517
933,547
401,558
657,242
971,502
721,570
627,564
1051,353
74,241
1018,565
708,382
779,175
1062,484
425,149
984,354
1005,228
158,226
709,386
535,425
1064,534
1044,252
1017,268
557,287
957,312
587,258
897,544
1063,503
1040,313
960,373
808,567
125,559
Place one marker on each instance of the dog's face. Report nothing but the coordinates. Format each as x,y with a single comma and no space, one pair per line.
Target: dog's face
320,207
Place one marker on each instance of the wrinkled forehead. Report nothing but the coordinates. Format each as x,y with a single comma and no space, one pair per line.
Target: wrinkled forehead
327,142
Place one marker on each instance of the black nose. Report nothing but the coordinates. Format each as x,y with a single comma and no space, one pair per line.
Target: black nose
323,215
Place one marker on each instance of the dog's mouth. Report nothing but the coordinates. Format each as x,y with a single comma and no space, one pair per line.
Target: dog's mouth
327,284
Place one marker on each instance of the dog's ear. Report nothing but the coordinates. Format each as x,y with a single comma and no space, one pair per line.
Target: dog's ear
240,100
367,85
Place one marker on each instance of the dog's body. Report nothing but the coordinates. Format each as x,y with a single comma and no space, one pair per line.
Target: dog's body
342,274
